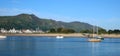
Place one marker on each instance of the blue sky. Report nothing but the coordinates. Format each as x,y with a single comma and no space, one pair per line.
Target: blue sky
103,13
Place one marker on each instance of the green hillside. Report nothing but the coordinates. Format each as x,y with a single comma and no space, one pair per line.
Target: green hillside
30,21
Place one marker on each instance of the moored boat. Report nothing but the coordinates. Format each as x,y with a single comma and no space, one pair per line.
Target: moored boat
94,40
2,36
59,36
97,38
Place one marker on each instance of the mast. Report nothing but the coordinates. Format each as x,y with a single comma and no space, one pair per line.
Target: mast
97,30
93,31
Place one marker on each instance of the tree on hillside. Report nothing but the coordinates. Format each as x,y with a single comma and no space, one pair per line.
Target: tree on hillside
102,31
110,31
59,30
115,31
62,30
52,30
85,31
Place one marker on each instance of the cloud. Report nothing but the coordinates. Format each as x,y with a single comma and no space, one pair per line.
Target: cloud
14,11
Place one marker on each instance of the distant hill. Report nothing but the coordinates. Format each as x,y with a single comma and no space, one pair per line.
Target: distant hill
30,21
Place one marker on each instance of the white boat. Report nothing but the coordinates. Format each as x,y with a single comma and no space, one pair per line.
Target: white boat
95,39
1,37
59,37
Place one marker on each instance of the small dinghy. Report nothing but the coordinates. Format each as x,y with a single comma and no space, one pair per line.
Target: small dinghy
2,37
59,37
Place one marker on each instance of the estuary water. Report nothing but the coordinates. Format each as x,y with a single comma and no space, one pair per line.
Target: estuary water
50,46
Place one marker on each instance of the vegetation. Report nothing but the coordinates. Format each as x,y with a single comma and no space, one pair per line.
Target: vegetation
86,31
100,31
61,30
115,31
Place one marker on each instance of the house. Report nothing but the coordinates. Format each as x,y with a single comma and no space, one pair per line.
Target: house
27,31
12,31
3,30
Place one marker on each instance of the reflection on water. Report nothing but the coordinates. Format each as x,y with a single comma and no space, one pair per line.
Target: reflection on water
48,46
14,47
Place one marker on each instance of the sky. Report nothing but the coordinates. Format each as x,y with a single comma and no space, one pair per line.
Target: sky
103,13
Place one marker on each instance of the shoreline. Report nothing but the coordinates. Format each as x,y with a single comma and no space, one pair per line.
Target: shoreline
66,35
46,34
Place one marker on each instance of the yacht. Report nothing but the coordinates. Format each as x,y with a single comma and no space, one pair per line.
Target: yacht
59,37
2,36
97,38
94,40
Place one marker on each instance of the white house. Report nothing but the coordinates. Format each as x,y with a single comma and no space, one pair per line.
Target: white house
3,30
27,31
12,30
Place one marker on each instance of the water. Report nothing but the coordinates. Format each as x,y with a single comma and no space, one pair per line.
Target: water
49,46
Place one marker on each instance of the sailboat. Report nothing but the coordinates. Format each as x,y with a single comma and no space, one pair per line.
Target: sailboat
95,39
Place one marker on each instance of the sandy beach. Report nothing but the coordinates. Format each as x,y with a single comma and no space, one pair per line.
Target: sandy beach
66,35
46,34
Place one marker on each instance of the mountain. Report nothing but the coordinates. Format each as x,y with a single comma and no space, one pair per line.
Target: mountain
30,21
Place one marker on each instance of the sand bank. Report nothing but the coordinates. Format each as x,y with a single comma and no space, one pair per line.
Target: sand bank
56,34
48,34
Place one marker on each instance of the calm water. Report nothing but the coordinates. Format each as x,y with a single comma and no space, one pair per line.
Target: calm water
48,46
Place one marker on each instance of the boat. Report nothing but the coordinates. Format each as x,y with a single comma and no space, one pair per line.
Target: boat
59,37
97,38
1,37
94,40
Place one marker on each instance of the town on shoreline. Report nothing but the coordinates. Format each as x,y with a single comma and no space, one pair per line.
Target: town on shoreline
28,32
